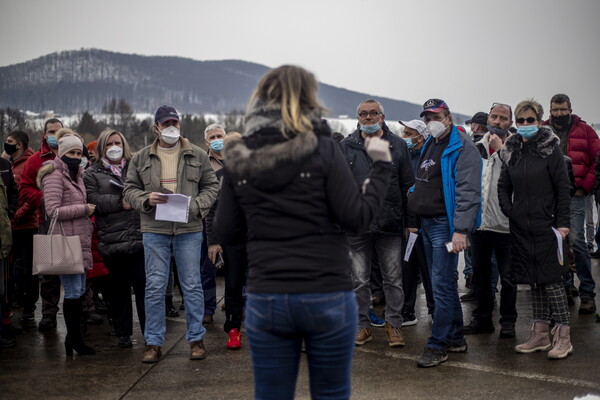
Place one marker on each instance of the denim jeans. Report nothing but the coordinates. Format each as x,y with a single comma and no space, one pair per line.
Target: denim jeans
447,327
158,249
278,323
485,245
73,285
583,262
389,252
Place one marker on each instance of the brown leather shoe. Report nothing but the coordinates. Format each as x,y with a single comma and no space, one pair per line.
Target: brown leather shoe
197,350
394,336
151,354
363,336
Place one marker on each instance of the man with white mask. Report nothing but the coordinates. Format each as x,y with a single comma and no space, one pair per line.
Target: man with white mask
447,199
384,236
171,164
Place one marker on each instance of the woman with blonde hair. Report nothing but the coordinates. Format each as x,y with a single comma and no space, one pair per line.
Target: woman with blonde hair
533,192
287,192
119,236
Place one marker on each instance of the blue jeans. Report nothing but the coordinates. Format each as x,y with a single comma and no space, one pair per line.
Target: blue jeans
389,253
447,325
278,323
583,262
157,252
73,285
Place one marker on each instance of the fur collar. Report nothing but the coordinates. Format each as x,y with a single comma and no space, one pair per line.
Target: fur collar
244,161
541,145
46,169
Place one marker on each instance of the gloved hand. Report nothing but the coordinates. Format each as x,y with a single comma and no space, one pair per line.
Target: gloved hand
378,149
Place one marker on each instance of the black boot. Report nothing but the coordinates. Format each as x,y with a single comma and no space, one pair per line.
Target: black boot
73,312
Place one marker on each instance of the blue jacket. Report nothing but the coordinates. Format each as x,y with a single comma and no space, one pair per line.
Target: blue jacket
461,176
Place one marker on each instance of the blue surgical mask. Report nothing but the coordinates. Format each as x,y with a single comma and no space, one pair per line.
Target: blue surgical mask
409,143
528,131
217,145
370,129
52,142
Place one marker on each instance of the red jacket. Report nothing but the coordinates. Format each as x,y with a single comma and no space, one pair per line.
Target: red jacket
29,212
19,164
583,147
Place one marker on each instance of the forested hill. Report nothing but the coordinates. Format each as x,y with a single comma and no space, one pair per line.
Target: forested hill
71,82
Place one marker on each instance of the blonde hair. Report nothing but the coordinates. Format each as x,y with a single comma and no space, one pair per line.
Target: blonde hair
103,138
530,104
294,89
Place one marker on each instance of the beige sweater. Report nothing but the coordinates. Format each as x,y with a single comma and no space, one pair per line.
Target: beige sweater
169,159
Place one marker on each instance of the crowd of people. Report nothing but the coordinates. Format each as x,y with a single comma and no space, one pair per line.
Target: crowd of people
318,228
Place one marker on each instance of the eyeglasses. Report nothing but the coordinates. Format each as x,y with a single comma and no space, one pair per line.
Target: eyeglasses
530,120
560,109
363,114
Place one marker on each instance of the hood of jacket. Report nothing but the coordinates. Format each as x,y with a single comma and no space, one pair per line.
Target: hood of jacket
264,156
541,145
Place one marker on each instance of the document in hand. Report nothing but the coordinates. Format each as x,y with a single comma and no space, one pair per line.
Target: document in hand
176,209
559,250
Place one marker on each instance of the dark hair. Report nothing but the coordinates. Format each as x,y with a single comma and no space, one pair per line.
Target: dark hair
337,136
20,137
561,98
52,121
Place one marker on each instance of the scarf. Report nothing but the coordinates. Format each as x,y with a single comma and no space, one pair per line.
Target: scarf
115,169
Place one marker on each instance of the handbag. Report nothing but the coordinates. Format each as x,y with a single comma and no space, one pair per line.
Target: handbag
57,254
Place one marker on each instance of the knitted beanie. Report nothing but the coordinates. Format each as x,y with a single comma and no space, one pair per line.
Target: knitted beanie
68,143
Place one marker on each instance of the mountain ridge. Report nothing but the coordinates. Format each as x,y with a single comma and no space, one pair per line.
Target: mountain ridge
74,81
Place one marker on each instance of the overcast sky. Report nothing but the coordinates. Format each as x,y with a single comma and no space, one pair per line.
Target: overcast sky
468,52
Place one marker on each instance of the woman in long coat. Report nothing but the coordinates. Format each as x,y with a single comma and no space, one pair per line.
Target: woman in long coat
533,191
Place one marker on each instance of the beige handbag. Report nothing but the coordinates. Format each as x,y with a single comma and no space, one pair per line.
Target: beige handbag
57,254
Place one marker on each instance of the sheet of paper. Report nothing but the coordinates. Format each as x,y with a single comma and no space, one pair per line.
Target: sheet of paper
559,251
410,243
176,209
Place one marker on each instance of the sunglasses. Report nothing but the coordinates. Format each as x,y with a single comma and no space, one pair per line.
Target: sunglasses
530,120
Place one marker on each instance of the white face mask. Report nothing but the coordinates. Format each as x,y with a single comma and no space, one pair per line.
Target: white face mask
114,153
84,162
436,128
170,135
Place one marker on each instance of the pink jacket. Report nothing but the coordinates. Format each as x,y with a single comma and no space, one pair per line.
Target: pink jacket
69,198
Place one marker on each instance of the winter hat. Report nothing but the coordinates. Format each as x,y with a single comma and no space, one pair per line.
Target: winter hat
68,143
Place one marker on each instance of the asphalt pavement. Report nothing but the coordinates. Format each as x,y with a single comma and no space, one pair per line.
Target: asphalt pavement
38,369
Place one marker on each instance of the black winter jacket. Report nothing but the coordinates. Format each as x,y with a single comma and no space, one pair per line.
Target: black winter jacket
118,229
533,191
292,199
393,216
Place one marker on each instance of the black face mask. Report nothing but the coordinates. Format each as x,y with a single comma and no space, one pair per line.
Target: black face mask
72,163
561,120
477,138
10,149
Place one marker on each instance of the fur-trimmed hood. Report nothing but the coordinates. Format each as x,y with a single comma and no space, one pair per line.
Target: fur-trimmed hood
269,161
46,169
541,145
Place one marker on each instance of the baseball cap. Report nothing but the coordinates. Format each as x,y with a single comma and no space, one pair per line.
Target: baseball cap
418,126
479,118
434,105
166,113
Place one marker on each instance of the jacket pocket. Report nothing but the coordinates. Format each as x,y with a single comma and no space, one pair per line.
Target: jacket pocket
192,170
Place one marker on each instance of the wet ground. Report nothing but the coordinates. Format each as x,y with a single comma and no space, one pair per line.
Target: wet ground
38,369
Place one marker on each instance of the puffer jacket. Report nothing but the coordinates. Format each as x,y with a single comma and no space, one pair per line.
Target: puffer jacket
118,229
394,214
533,191
583,147
291,200
67,197
30,211
195,178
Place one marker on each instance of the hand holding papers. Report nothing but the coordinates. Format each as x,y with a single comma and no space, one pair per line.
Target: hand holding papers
176,209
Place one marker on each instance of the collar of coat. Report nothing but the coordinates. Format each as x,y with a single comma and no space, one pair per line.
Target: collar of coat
541,145
50,166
